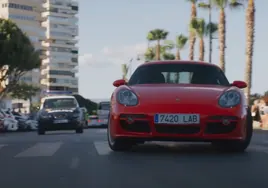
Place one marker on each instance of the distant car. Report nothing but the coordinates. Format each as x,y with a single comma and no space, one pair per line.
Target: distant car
103,112
179,101
60,113
93,121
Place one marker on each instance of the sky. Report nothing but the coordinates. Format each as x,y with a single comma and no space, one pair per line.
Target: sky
113,32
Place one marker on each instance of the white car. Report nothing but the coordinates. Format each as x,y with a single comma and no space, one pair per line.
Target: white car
93,121
10,123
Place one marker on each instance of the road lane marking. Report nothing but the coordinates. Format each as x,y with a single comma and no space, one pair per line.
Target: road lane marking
41,150
102,148
102,131
74,163
259,148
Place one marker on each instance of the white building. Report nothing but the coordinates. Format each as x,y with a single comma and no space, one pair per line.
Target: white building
27,15
59,66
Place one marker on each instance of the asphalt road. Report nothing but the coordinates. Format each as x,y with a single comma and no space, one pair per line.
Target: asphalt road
65,159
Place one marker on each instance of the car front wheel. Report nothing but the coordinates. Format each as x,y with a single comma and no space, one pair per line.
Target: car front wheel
79,130
117,144
238,145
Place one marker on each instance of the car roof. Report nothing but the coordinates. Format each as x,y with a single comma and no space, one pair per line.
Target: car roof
105,102
177,62
59,97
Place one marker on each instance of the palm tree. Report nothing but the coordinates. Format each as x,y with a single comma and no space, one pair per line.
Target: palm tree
192,37
221,5
181,41
124,71
250,24
158,35
149,38
149,54
202,29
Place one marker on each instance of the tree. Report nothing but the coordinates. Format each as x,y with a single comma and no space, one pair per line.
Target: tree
24,91
88,104
202,29
250,28
192,37
124,71
181,41
149,54
221,5
157,35
17,55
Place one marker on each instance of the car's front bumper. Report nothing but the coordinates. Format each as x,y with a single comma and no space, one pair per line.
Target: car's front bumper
49,125
210,128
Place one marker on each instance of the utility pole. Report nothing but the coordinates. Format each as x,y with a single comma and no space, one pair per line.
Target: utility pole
210,34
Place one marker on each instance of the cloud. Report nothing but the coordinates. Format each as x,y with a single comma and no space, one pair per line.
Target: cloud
111,56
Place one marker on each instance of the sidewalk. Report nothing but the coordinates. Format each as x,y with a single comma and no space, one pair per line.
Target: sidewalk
256,125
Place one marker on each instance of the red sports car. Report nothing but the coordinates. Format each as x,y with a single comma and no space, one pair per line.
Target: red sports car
179,101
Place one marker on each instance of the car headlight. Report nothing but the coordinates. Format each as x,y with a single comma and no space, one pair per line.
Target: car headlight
230,99
127,97
45,115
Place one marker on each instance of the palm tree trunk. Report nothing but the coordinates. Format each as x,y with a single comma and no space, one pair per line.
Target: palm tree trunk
201,49
192,37
158,50
178,55
222,39
250,28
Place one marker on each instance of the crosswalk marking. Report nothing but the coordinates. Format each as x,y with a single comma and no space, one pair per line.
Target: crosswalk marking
48,149
102,131
41,150
102,148
259,148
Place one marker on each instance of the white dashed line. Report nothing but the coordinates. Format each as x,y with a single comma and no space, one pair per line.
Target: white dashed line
102,148
74,163
41,150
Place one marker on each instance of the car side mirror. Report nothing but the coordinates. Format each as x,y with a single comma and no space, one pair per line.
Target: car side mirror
239,84
120,82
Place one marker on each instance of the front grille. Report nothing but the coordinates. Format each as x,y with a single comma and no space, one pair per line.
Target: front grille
219,128
177,129
137,126
60,115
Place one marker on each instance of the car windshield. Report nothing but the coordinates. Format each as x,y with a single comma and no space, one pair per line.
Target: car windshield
104,106
183,73
60,103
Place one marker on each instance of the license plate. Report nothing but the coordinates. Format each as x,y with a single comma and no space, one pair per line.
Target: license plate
61,121
176,119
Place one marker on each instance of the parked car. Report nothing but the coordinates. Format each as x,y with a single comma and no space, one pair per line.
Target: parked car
10,123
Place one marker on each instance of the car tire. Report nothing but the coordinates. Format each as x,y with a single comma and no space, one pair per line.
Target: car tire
41,132
117,144
239,145
79,130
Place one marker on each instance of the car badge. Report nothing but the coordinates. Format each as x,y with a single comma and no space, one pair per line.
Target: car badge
130,120
177,99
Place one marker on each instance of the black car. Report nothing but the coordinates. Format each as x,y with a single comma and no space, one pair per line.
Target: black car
60,113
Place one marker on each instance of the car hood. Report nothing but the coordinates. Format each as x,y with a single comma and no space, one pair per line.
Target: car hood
183,94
